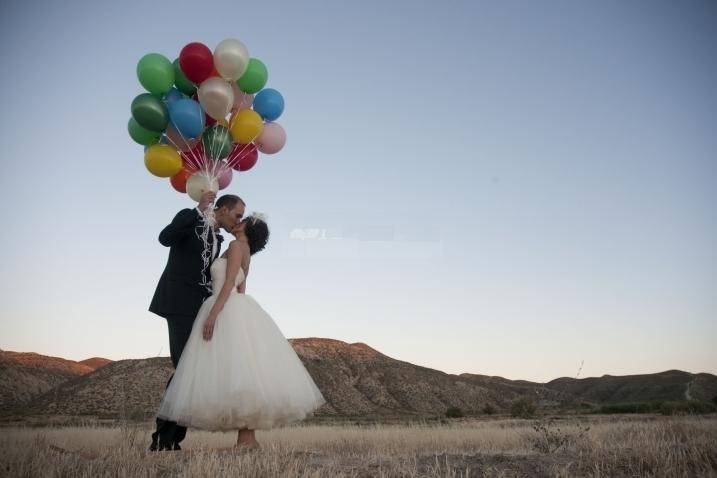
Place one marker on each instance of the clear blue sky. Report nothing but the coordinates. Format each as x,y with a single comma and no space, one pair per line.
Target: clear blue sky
506,188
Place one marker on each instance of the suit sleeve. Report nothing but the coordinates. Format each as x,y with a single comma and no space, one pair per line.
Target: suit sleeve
181,226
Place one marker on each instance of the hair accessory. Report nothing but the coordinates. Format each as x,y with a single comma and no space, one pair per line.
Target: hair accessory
257,216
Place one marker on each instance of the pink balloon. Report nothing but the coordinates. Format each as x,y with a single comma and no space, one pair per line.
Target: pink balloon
224,176
271,139
242,100
178,141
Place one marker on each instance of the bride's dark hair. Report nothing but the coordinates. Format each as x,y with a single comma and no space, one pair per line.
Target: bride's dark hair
257,234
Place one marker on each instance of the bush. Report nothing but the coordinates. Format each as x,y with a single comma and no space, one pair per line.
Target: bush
550,438
523,407
488,409
689,407
454,412
675,407
637,407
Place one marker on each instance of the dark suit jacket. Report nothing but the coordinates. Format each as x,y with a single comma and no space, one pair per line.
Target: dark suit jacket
179,291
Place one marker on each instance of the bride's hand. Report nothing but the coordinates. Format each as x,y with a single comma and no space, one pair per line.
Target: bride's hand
209,327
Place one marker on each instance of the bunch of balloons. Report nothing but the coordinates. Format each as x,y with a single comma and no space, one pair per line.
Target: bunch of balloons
205,115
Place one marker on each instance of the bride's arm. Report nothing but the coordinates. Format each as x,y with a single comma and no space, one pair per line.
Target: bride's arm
242,286
234,258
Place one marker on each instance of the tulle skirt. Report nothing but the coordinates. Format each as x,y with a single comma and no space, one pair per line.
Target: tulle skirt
247,375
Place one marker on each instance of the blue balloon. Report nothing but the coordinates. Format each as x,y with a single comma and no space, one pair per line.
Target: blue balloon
269,104
187,117
173,95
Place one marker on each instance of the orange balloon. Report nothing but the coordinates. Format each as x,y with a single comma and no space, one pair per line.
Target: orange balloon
179,180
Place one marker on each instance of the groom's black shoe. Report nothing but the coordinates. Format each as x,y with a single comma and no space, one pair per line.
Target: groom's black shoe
153,445
162,446
165,447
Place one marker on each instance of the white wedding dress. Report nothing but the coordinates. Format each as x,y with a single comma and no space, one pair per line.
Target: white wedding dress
247,375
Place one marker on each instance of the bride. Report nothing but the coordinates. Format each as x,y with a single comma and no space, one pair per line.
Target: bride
238,371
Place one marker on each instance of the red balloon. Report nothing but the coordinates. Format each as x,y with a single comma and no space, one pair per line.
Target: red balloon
179,180
214,73
243,156
194,159
209,120
196,61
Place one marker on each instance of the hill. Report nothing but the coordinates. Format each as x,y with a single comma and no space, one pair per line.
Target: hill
356,380
26,375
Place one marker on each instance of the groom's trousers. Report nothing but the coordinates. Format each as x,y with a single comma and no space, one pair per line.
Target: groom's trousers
169,433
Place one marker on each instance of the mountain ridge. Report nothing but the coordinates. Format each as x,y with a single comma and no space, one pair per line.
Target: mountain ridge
355,378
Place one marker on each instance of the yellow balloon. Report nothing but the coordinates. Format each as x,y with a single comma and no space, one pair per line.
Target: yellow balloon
246,126
162,160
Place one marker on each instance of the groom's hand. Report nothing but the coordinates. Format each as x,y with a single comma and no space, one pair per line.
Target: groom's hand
206,200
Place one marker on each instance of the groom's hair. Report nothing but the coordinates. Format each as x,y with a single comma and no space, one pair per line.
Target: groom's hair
228,200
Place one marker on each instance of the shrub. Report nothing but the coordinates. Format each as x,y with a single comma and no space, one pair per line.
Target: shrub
488,409
689,407
523,407
550,437
637,407
674,407
454,412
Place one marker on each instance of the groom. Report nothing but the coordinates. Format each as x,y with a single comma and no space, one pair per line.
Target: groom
180,292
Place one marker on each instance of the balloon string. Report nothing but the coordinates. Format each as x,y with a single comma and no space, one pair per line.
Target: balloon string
191,156
194,159
213,150
207,249
232,163
208,216
206,163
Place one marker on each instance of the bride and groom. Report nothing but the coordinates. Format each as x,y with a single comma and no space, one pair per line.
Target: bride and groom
234,369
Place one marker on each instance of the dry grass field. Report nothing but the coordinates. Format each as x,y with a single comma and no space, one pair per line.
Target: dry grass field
576,446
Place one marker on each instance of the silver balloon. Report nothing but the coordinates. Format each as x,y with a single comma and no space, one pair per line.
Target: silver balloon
199,183
231,59
216,97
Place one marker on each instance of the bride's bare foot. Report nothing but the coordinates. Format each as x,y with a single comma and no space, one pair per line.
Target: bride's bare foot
250,445
246,440
241,446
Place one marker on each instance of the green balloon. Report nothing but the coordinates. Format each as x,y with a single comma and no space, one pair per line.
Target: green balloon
155,73
254,78
181,81
141,135
150,113
217,141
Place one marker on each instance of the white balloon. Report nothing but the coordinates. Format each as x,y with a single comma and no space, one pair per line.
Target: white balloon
216,97
231,59
199,183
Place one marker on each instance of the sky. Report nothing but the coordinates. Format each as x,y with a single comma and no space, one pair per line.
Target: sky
503,188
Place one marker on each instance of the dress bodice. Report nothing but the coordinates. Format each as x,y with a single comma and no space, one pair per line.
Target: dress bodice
219,275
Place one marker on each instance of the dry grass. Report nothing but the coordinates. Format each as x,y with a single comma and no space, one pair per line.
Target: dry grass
612,446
